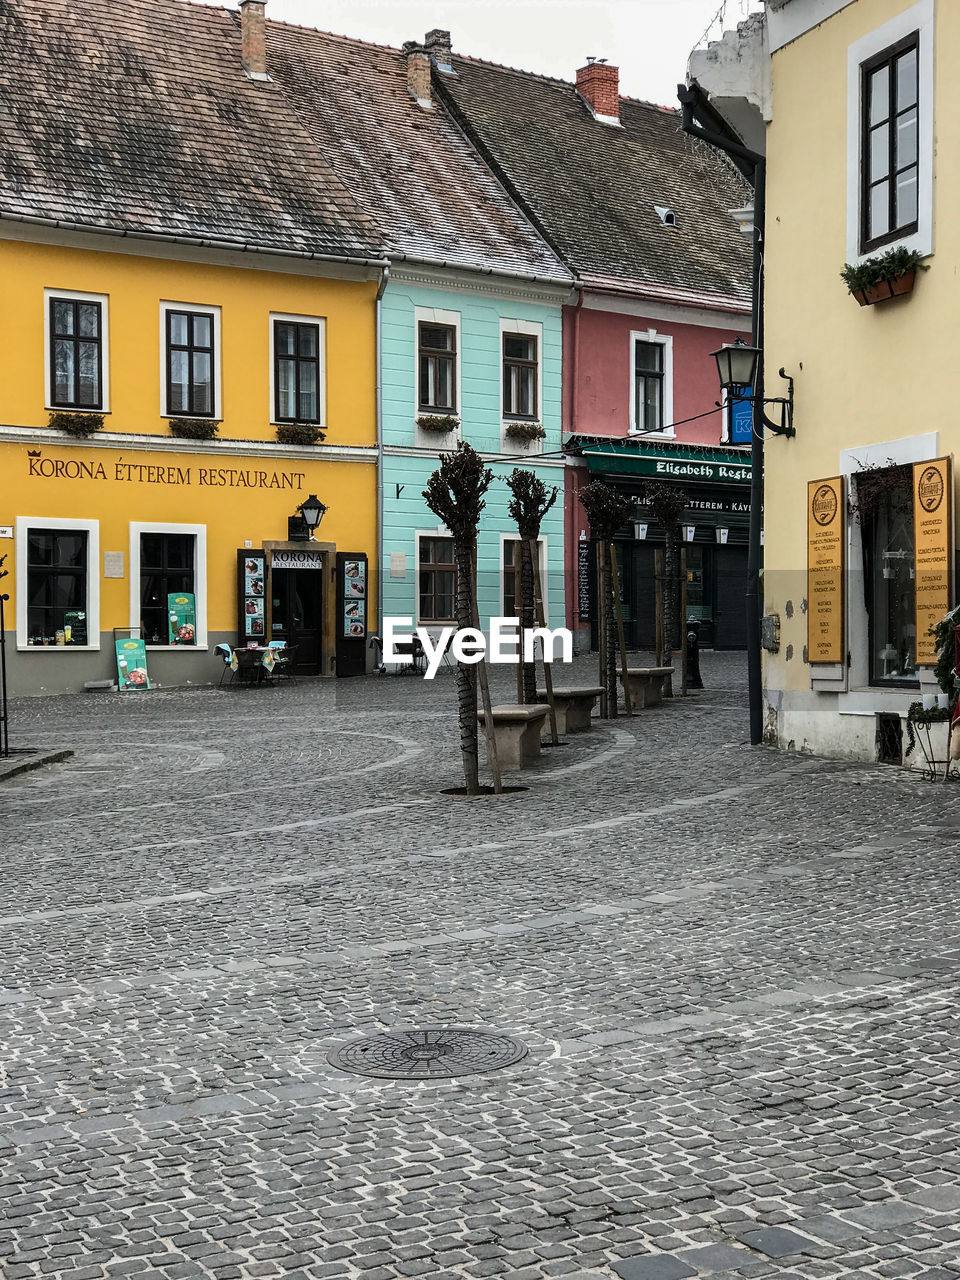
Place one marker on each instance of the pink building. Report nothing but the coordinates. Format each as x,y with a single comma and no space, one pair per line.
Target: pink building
644,218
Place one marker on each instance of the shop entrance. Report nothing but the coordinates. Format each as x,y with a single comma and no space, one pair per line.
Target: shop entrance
296,615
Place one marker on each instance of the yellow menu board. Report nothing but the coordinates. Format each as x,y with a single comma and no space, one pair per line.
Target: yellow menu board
825,556
933,550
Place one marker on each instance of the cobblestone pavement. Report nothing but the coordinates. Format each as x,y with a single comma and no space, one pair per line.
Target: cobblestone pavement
735,971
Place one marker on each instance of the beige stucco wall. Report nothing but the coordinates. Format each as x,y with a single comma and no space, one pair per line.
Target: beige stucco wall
864,375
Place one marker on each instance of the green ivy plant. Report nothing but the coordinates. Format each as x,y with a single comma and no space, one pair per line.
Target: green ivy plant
884,267
76,424
943,669
194,428
525,431
302,433
440,423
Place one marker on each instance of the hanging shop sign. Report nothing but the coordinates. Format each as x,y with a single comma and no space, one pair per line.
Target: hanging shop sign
132,665
826,524
933,542
182,618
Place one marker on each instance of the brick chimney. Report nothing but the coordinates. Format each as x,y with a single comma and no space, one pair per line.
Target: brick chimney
599,86
418,73
437,43
253,36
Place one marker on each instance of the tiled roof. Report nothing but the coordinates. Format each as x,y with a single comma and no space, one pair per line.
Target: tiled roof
412,168
592,187
136,116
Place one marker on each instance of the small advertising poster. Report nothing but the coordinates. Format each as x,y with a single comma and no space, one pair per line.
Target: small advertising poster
825,564
75,627
354,618
355,579
182,618
932,490
132,665
252,592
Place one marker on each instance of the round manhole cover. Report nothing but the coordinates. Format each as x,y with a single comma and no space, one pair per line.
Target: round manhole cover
429,1053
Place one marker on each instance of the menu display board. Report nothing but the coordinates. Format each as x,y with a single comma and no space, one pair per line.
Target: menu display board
182,618
251,595
355,598
932,541
583,578
826,525
132,665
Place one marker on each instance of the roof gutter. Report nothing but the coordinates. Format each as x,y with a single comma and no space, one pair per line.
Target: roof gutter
232,246
445,264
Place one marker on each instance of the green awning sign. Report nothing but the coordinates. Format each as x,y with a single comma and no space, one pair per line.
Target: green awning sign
712,465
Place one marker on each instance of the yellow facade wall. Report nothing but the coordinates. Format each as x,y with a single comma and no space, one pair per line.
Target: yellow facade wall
136,286
863,374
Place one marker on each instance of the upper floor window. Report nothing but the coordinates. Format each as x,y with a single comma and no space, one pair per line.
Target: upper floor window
76,352
438,367
519,375
890,109
297,354
890,135
648,386
190,363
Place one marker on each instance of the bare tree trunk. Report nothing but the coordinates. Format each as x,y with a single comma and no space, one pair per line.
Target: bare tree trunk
528,618
467,675
609,632
671,590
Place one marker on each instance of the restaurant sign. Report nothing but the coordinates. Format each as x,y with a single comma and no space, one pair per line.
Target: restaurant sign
825,560
305,559
932,540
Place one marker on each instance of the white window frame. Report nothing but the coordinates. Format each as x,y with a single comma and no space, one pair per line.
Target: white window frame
202,309
665,340
24,524
434,315
544,571
920,18
76,295
529,329
321,323
441,531
199,532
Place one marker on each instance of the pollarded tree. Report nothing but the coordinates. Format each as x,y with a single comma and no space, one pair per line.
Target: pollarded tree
530,503
668,502
454,493
607,509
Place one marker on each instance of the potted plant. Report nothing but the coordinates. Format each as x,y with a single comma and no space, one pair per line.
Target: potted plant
524,432
438,423
194,428
888,275
76,424
302,433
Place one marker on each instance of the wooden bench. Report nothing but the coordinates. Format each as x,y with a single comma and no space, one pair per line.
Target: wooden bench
517,731
573,707
649,685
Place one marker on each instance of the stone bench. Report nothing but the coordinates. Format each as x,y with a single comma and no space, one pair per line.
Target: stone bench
573,707
649,685
517,731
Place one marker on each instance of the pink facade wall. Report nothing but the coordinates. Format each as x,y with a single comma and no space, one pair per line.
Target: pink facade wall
597,391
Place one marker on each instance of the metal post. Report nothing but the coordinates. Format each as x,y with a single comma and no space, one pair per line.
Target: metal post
683,622
601,630
658,604
618,605
493,757
542,622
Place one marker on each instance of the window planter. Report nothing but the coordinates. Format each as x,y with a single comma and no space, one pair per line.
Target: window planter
301,433
524,432
889,275
77,424
194,428
438,424
886,289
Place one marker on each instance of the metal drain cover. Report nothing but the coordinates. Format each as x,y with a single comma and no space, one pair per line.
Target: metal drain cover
428,1053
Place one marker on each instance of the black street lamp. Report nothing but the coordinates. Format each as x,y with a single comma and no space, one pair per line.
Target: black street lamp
312,510
738,367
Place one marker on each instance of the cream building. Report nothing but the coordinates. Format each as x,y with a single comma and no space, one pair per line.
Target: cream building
852,101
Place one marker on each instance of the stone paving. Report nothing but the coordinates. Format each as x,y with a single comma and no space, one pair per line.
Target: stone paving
735,971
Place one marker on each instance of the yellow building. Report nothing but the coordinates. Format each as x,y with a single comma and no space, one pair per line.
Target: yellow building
856,101
186,285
